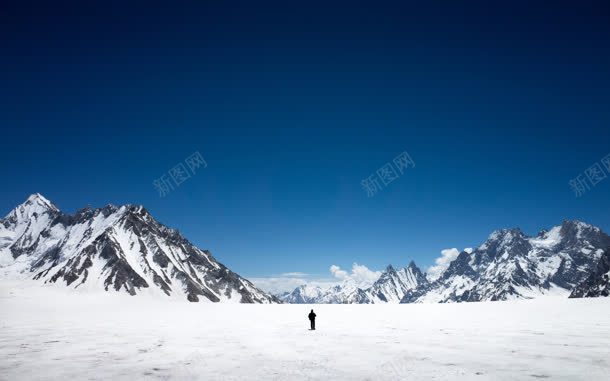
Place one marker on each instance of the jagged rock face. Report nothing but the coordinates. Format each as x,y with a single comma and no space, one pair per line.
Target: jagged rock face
389,288
392,285
511,265
114,248
598,284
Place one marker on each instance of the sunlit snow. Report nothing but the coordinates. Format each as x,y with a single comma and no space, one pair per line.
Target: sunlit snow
51,333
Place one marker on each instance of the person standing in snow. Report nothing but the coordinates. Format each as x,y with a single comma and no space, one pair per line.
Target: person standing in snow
312,320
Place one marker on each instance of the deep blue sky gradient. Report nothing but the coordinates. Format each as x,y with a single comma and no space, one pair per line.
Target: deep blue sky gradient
292,105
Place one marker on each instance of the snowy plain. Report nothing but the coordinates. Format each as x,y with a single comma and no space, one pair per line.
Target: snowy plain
51,333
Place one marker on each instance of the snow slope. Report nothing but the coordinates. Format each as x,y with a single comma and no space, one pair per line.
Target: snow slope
511,265
508,265
51,333
113,248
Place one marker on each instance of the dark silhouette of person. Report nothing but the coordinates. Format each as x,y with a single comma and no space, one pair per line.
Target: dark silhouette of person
312,320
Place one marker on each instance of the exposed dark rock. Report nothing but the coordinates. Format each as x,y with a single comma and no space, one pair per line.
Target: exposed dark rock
598,284
124,247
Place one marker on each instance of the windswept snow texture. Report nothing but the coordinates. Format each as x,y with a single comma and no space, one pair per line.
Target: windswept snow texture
114,248
51,333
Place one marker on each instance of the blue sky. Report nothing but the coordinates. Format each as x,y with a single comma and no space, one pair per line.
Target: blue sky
293,105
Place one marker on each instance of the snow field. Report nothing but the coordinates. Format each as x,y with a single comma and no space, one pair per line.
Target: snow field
49,333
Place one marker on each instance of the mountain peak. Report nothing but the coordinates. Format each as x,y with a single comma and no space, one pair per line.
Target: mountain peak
576,232
576,224
416,271
503,238
36,196
35,205
39,200
135,250
501,233
137,210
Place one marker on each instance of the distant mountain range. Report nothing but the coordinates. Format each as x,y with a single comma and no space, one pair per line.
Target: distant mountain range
571,259
389,288
125,249
114,248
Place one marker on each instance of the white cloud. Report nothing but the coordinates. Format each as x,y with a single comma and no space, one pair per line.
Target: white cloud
277,284
337,272
360,274
280,284
294,274
288,281
442,262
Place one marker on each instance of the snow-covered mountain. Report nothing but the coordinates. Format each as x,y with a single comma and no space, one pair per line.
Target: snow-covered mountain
390,287
114,248
303,294
344,293
598,284
508,265
511,265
